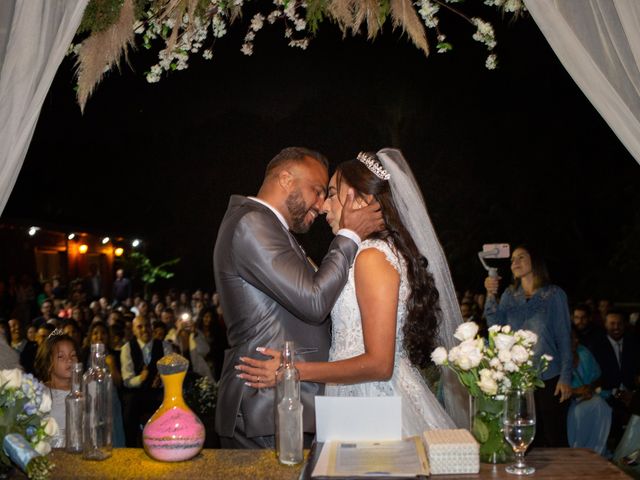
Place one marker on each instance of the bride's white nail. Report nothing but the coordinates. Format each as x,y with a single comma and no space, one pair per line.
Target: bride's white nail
260,349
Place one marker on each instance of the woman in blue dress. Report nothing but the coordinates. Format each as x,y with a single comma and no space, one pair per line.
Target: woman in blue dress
533,303
589,417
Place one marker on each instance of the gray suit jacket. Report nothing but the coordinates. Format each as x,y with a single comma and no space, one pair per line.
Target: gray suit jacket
270,293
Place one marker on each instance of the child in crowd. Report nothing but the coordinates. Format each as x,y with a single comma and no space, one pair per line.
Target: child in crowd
53,366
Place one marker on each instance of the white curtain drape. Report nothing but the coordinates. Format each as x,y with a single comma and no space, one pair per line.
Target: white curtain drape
598,42
34,37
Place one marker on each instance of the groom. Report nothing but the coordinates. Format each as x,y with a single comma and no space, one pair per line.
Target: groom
270,291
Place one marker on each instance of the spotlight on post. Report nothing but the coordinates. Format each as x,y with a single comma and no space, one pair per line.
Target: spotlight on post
71,236
105,240
135,243
33,230
118,251
83,248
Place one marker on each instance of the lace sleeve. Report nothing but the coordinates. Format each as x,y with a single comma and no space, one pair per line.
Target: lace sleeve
392,256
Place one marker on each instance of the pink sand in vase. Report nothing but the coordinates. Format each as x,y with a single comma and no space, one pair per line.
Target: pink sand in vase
175,436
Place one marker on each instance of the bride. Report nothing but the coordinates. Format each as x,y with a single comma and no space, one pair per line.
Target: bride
397,303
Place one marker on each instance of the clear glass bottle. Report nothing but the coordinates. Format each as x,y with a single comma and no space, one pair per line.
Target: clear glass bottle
289,440
74,412
98,411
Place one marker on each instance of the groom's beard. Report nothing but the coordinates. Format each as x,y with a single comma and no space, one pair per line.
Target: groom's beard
298,211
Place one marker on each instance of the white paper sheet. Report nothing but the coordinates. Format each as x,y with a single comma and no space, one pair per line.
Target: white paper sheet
358,418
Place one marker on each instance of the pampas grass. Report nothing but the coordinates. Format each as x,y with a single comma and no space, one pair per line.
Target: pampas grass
102,50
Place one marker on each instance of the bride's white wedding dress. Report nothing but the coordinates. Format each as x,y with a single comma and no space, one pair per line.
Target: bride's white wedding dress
420,409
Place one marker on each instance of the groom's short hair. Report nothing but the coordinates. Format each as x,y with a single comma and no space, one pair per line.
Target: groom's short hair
294,155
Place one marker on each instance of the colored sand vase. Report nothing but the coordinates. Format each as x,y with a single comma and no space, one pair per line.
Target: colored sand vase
174,433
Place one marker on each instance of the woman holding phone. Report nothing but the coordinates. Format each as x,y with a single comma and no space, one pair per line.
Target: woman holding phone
533,303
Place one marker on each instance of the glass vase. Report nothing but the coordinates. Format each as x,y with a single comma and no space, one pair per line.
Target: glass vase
487,427
174,433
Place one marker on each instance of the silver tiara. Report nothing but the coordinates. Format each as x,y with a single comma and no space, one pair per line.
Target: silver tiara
371,162
55,333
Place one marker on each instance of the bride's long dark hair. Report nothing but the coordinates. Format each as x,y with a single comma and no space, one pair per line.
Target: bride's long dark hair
421,328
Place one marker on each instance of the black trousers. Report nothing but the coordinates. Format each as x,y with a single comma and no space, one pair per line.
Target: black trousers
137,408
551,417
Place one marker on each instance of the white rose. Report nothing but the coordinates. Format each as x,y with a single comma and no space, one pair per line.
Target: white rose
454,353
466,331
494,328
488,385
485,372
463,362
45,403
470,354
439,356
510,367
50,426
497,376
495,363
547,357
504,356
42,447
506,329
519,354
11,378
504,341
528,337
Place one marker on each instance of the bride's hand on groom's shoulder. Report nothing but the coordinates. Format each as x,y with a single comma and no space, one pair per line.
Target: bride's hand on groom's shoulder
362,216
260,373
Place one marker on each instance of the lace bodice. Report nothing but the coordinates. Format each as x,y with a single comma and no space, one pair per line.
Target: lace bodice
347,340
420,409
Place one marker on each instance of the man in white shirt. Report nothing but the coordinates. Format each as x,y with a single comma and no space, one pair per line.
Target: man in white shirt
142,394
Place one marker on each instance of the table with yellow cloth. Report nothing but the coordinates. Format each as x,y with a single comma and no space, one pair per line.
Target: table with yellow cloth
130,463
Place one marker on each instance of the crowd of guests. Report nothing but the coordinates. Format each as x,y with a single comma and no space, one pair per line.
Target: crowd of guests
136,333
592,385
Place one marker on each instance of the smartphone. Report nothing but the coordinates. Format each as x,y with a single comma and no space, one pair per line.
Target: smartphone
496,250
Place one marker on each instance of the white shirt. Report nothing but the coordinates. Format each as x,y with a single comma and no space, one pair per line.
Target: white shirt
345,232
129,377
617,349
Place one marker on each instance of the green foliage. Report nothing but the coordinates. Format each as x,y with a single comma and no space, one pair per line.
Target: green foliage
315,14
100,15
149,273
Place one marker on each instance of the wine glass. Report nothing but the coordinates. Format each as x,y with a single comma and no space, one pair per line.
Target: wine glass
519,421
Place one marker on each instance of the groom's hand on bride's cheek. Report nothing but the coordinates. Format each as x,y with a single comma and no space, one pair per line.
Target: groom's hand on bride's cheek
362,220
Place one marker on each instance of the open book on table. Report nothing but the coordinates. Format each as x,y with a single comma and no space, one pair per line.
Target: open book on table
391,458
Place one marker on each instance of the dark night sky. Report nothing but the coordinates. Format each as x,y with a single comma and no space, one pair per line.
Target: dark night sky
518,154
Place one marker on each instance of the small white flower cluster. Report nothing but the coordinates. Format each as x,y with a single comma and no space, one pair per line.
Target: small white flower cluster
512,6
287,11
428,10
257,22
302,43
484,33
492,62
192,33
495,366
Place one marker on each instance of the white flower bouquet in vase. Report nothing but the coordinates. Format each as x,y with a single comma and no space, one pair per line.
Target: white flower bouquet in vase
489,369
